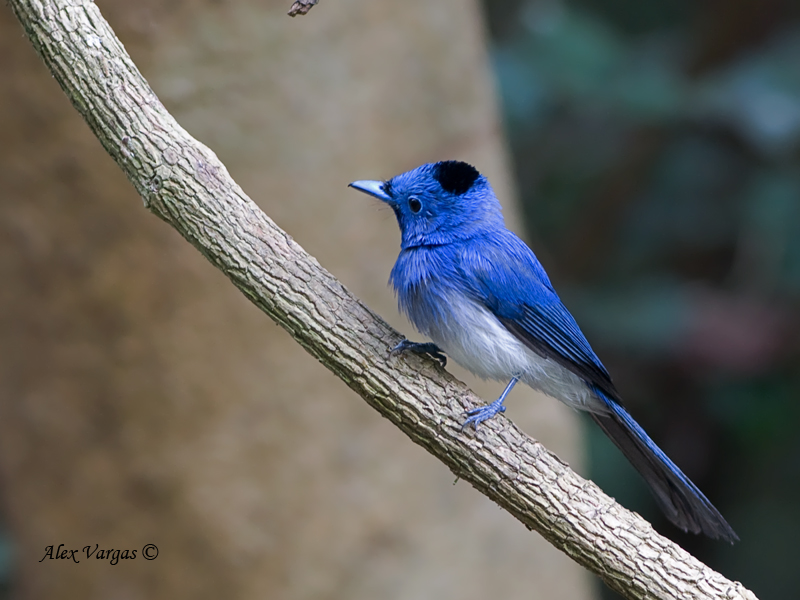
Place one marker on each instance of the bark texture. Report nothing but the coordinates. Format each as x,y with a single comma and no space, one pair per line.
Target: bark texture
183,182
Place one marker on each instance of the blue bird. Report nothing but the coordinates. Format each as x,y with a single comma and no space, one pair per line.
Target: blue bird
477,291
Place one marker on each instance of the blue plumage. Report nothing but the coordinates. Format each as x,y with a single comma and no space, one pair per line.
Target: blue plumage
480,294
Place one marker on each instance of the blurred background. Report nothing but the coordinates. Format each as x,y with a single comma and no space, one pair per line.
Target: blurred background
144,400
647,151
655,147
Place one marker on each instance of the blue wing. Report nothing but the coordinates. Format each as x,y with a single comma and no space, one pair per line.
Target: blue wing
504,275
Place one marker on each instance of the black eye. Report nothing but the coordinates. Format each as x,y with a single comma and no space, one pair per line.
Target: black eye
415,205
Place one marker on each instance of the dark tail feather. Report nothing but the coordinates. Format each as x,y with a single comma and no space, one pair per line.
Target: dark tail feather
682,503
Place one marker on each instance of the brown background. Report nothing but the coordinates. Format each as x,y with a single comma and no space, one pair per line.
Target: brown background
144,400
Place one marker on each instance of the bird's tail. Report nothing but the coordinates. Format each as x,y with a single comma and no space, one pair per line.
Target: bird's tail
683,504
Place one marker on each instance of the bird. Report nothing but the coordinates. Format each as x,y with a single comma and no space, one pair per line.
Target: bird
480,294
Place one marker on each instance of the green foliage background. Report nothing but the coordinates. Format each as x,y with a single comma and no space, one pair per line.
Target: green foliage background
656,149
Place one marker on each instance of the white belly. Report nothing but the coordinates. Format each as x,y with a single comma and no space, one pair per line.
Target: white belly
474,338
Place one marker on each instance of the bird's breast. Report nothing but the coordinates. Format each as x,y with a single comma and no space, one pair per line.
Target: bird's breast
470,334
474,338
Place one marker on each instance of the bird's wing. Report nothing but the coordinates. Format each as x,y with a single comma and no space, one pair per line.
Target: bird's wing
507,278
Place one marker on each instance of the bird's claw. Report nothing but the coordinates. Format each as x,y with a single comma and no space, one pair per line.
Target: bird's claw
483,413
428,348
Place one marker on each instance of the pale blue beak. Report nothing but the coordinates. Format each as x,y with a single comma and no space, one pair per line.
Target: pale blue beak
373,188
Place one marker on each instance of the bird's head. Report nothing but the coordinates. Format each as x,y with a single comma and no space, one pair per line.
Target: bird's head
438,203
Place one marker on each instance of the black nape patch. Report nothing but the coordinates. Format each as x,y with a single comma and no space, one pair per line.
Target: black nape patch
455,176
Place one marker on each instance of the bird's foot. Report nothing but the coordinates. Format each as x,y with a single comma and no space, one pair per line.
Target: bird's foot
484,413
428,348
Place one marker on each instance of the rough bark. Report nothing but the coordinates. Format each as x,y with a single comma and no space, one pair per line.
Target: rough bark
183,183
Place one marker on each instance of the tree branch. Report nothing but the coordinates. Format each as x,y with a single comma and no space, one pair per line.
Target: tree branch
301,7
182,182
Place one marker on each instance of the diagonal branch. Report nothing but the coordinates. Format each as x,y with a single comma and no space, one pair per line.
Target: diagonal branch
182,182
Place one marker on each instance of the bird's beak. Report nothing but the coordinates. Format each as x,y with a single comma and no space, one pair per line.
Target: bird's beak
373,188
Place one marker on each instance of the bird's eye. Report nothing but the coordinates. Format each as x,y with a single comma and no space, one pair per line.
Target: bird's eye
415,205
